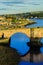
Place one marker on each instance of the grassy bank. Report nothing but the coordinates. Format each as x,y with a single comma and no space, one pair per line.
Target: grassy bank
8,56
4,40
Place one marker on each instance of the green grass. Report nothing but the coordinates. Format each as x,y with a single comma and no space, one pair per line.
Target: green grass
4,40
8,56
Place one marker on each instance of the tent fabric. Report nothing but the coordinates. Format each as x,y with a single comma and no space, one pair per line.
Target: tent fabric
30,63
41,40
19,41
41,49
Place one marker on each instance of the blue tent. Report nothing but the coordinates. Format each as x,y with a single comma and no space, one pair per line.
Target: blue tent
41,40
19,41
41,49
30,63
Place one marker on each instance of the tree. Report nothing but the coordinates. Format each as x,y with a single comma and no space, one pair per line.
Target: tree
14,20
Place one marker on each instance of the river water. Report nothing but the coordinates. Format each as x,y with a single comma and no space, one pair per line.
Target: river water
39,23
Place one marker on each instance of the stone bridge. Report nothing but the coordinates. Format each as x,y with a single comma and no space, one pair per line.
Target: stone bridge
36,32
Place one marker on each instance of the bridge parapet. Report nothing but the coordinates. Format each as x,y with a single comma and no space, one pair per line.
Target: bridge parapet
38,32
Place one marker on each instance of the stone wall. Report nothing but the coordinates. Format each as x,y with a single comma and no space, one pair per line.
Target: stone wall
38,32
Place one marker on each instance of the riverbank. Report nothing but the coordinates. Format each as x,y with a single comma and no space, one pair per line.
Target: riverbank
18,24
30,23
21,23
4,40
8,56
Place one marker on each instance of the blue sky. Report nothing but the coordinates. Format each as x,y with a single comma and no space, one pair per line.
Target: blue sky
19,6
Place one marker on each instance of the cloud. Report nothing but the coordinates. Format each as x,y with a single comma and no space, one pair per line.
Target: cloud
13,2
35,4
20,5
3,9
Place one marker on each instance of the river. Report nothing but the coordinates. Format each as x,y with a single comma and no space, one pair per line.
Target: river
39,23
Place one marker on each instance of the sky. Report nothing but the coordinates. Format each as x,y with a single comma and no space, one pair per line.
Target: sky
20,6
